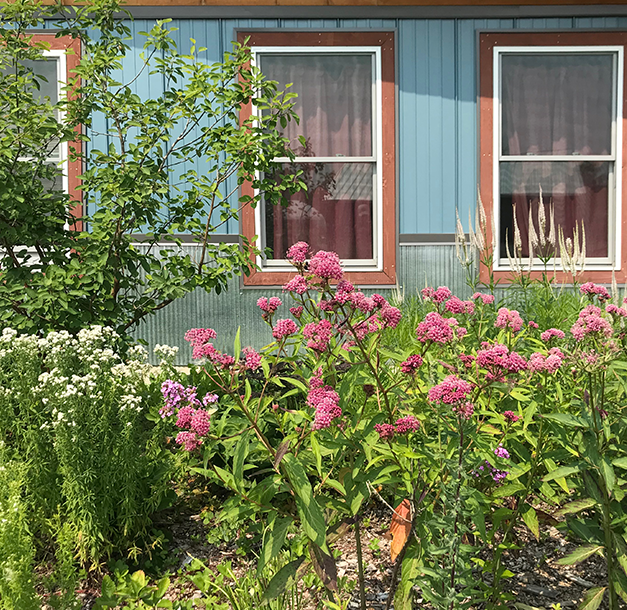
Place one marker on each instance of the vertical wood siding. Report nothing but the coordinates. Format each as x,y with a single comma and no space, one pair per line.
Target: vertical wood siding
437,149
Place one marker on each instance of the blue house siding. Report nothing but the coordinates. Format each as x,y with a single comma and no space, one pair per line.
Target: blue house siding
436,145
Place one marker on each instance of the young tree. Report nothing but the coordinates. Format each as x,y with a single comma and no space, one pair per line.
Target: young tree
53,276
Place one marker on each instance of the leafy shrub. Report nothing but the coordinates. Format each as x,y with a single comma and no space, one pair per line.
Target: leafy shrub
463,428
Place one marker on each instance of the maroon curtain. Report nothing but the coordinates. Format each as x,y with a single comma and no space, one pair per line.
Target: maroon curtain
556,104
335,108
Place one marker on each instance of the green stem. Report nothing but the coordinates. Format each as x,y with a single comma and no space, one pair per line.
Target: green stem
360,566
457,510
609,549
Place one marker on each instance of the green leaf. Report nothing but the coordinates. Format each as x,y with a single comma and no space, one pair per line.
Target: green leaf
279,582
324,566
241,451
575,507
273,542
608,475
315,448
530,518
564,471
508,490
579,554
237,345
620,462
162,587
308,509
592,599
566,419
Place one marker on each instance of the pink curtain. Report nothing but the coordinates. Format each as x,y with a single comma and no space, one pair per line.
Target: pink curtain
335,108
556,104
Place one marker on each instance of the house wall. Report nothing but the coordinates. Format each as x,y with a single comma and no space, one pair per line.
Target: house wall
436,144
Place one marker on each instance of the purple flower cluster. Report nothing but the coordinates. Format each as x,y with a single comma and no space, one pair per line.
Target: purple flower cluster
496,474
591,289
501,452
191,417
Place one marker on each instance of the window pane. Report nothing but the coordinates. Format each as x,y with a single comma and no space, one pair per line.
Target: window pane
46,68
557,104
578,190
334,101
334,214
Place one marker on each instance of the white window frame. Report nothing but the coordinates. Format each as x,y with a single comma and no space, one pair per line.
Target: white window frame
62,160
613,261
352,265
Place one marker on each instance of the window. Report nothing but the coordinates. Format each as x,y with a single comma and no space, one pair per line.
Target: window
345,87
551,124
56,67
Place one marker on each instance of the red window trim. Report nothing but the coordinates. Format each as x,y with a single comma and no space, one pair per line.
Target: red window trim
387,276
487,41
74,168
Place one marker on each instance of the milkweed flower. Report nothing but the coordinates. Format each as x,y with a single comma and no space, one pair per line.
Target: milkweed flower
326,265
508,318
411,365
284,328
297,253
451,391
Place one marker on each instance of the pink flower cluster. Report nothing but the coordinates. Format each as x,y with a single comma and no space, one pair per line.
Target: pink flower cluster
325,400
390,316
510,417
497,360
439,296
284,328
464,409
199,339
591,289
451,391
270,305
412,364
297,312
619,312
435,328
456,305
590,322
326,265
298,252
191,417
197,422
551,333
251,358
404,425
508,318
318,335
486,299
539,363
297,284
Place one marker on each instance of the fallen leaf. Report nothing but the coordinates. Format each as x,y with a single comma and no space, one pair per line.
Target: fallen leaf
400,527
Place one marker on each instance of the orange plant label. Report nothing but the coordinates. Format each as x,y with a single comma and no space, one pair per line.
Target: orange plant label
400,527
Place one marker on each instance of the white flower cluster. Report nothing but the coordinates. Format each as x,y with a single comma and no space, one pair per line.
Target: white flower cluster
166,353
